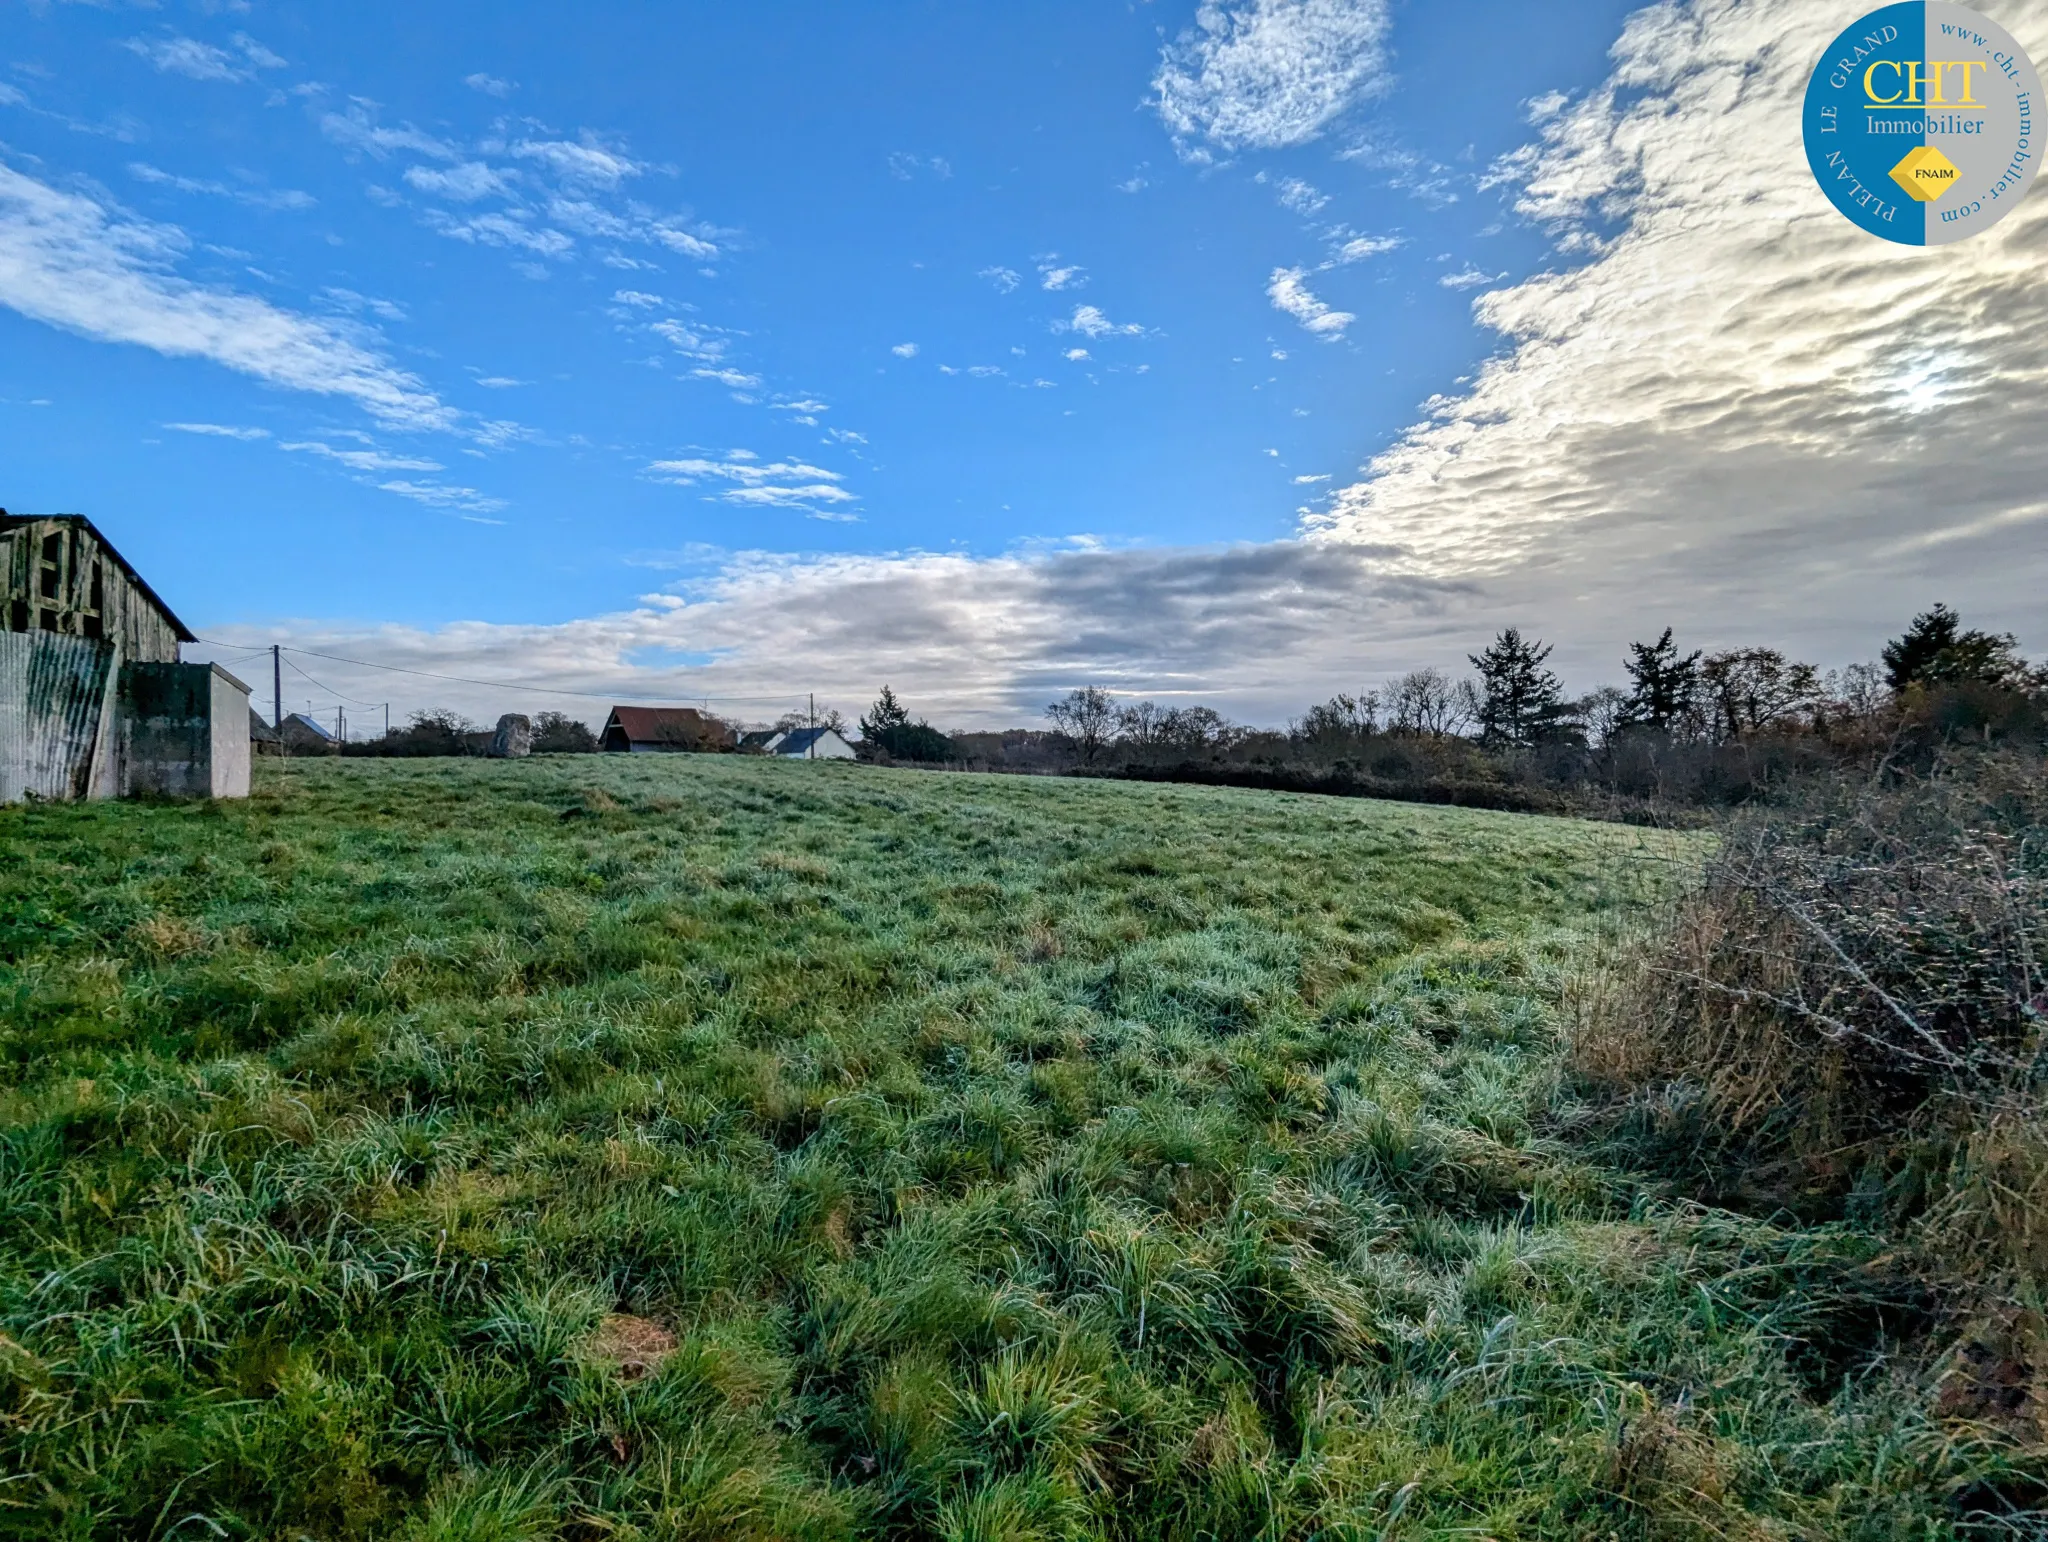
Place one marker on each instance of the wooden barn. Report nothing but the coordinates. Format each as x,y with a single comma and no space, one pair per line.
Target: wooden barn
94,702
654,730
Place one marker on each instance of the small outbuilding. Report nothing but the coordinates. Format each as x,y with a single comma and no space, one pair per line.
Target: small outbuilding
94,702
811,744
657,730
302,734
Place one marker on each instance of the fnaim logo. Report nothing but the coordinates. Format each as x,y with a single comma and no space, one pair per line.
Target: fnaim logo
1920,123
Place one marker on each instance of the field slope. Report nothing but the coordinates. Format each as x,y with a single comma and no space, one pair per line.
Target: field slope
702,1148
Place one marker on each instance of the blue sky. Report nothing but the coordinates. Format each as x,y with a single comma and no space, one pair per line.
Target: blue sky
454,330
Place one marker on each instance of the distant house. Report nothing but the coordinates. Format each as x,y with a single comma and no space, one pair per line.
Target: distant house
94,702
811,744
302,735
759,740
654,730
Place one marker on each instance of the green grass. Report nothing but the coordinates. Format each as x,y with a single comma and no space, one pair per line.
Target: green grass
1009,1158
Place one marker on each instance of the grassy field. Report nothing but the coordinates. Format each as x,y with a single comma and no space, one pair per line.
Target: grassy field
704,1148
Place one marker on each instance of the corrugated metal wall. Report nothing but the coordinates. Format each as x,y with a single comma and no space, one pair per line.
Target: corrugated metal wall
52,692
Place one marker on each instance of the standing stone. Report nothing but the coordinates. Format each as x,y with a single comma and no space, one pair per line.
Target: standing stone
514,738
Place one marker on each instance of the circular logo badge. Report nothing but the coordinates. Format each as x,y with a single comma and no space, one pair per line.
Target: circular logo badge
1921,123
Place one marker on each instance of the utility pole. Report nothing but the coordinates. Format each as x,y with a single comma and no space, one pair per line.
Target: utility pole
387,719
813,753
277,687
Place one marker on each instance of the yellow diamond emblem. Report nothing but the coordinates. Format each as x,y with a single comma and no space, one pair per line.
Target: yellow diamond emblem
1925,173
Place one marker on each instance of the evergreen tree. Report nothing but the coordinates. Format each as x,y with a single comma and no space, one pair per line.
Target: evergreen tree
885,715
887,728
1520,701
1935,650
1664,686
1908,658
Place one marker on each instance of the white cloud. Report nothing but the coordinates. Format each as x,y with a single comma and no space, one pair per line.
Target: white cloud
1005,279
1054,276
350,301
638,297
1076,354
172,54
845,436
68,262
738,380
498,382
507,229
357,128
255,197
1264,74
439,495
803,404
905,350
464,183
1300,196
490,85
1306,481
1469,277
362,460
1090,322
1288,292
263,58
220,430
1358,248
586,161
757,483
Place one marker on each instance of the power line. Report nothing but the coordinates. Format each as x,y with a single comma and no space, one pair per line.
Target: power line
330,690
503,685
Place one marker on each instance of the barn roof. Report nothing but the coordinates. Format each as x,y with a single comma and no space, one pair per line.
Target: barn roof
10,522
649,725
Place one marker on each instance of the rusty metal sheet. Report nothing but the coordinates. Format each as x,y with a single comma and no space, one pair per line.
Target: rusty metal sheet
53,690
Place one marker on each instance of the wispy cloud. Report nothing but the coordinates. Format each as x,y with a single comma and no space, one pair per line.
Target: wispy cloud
1005,279
736,379
1053,274
172,54
1076,354
1289,292
588,160
1264,74
507,228
490,85
1091,322
440,495
361,460
464,183
1469,277
755,483
220,430
637,297
905,350
356,128
1302,197
69,262
1357,248
254,197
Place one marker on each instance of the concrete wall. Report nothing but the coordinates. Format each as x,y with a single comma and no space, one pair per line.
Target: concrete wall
184,731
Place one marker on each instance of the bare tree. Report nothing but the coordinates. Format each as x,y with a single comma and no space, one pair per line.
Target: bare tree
1142,724
1087,717
1751,689
1425,703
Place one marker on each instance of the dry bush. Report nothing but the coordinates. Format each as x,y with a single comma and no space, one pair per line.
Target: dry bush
1854,1000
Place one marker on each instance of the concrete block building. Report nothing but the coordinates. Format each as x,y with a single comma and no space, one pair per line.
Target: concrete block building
94,702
